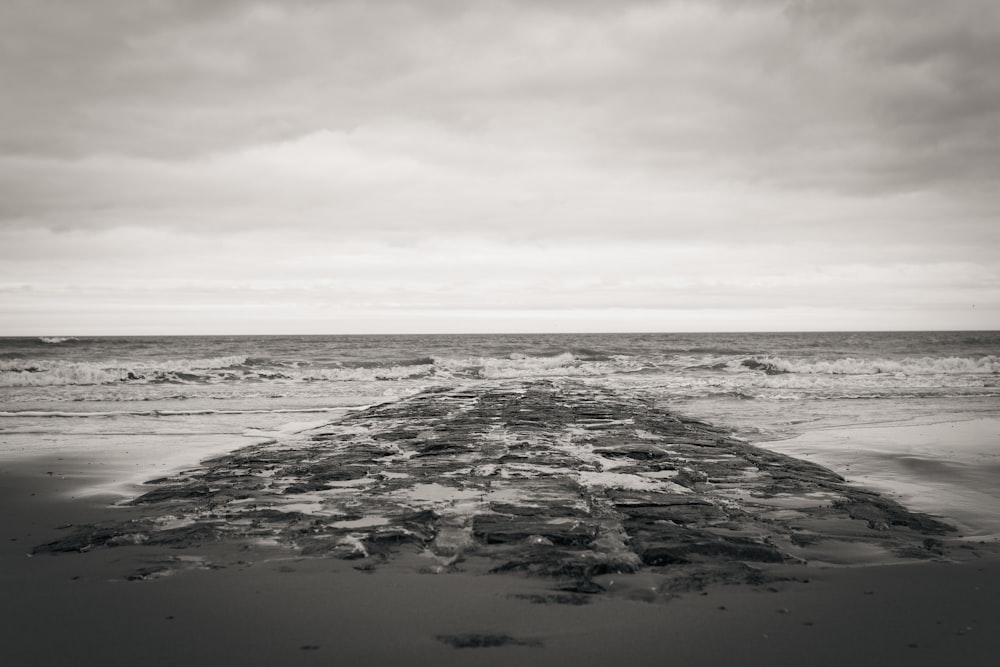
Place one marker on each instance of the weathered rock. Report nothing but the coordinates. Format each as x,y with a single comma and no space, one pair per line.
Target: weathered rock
501,529
560,480
638,452
85,538
185,536
695,512
882,514
181,493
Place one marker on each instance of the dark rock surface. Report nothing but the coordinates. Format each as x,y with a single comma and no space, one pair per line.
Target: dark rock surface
554,479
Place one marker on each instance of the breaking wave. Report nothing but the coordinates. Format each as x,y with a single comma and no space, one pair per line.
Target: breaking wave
230,369
516,365
56,340
48,372
853,366
358,374
726,373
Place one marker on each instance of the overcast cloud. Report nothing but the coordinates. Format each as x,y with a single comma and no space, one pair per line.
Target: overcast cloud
451,165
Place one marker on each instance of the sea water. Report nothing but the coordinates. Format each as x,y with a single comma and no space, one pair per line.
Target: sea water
179,397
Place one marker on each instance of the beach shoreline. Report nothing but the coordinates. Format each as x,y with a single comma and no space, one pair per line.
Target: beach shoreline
947,467
313,611
222,603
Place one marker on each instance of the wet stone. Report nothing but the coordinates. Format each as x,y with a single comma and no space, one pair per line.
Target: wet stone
185,536
174,493
636,452
500,529
686,513
86,538
549,511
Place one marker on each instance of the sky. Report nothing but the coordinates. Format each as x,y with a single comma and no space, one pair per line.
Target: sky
238,166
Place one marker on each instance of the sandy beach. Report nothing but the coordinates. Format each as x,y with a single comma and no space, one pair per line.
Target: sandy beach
80,592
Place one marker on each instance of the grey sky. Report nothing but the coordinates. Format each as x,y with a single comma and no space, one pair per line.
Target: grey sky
336,167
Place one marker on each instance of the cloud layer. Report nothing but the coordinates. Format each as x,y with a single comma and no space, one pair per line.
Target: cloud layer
475,165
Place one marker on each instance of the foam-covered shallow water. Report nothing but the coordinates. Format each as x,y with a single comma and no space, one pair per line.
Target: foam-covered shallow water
743,366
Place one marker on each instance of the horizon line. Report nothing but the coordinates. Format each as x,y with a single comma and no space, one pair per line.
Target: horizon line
495,333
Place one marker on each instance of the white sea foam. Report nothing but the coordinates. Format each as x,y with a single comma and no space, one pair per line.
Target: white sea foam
50,372
518,365
41,372
905,366
364,374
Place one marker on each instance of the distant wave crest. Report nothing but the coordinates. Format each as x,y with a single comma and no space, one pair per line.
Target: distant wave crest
853,366
775,371
45,372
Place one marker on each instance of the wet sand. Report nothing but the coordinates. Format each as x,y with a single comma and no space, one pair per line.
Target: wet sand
951,468
239,598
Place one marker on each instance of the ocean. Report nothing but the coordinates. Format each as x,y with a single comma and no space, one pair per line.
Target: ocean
177,397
